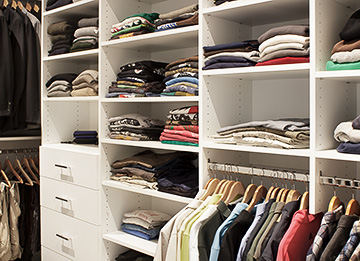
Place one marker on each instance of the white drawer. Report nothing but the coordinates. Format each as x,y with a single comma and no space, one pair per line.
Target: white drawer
71,200
48,255
69,166
68,236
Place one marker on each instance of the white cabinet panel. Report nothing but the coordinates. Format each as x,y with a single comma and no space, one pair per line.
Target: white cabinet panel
74,201
68,236
47,255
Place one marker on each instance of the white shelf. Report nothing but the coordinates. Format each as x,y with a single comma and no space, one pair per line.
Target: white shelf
286,152
71,99
148,192
153,99
83,8
150,144
89,149
341,75
183,37
334,155
81,56
284,71
258,12
354,5
142,245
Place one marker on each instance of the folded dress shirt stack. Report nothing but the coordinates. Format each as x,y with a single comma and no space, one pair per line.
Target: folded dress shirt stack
182,126
86,84
346,54
284,45
60,85
182,77
173,173
87,35
293,133
135,127
185,16
239,54
132,25
52,4
144,223
348,133
61,36
138,79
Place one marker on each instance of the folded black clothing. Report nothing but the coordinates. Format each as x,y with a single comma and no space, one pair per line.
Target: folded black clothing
225,59
183,74
69,77
348,147
50,2
147,131
145,75
62,41
81,46
229,65
86,141
57,4
58,37
59,51
351,29
178,191
84,133
62,27
155,67
60,46
133,255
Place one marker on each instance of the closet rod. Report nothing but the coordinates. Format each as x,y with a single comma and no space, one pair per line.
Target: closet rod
340,182
22,150
260,172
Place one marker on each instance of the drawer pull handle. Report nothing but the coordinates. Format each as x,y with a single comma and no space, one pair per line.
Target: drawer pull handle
61,166
62,237
62,199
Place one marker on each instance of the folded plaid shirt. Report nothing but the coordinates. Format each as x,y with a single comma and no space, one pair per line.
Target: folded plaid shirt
325,232
351,244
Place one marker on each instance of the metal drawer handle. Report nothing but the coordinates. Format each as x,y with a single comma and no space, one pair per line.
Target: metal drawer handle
61,166
62,199
62,237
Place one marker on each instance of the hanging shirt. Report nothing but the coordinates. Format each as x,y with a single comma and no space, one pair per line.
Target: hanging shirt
208,229
260,210
300,235
5,245
220,232
14,213
271,248
326,231
351,244
338,240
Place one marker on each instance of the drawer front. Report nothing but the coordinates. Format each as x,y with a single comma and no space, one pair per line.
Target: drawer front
47,255
71,200
68,166
70,237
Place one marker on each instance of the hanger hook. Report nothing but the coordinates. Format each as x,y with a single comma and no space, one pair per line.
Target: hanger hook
275,176
334,184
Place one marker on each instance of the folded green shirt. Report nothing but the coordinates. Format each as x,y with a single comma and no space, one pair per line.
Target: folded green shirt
331,66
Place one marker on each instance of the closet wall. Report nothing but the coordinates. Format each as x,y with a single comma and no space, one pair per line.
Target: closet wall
227,96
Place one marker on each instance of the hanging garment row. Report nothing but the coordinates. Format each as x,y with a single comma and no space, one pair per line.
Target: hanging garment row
20,208
227,221
20,70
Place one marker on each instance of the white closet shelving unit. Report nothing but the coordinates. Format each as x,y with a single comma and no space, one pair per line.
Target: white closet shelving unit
227,96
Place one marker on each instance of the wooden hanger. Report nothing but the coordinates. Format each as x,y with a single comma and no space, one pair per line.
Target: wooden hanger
33,166
7,181
236,189
25,163
284,195
353,208
219,186
293,196
304,203
28,7
36,8
23,172
20,5
13,4
249,192
5,3
334,203
278,197
12,170
275,192
225,191
210,188
268,194
259,193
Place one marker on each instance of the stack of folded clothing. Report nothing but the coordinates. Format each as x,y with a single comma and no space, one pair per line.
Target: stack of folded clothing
85,84
284,45
293,133
178,18
219,2
144,223
60,85
231,55
87,35
135,127
346,53
61,36
134,25
348,133
133,256
85,137
182,77
182,127
169,172
52,4
139,79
